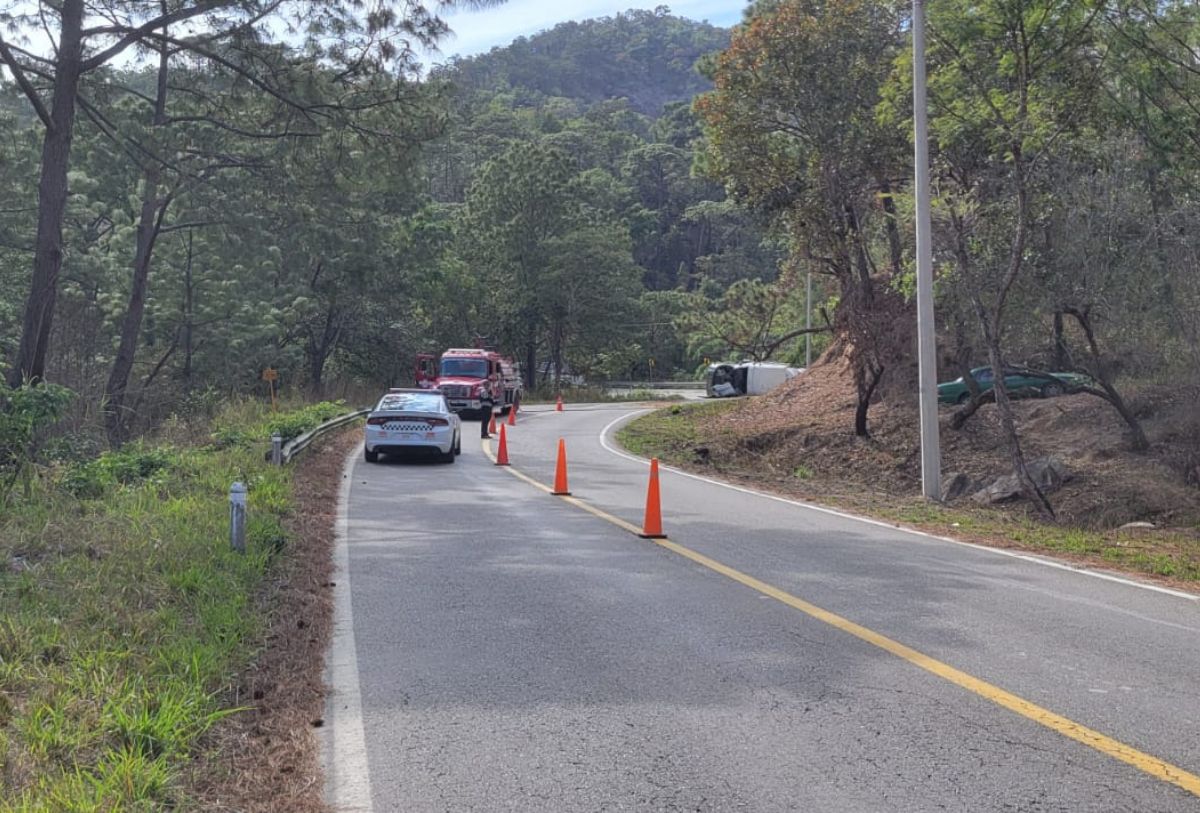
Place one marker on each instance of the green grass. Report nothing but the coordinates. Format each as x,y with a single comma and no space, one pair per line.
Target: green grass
673,434
1162,553
124,616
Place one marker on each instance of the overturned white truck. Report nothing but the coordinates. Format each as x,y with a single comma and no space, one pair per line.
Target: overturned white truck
746,378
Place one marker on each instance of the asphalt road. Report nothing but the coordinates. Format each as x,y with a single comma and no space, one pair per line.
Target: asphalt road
511,651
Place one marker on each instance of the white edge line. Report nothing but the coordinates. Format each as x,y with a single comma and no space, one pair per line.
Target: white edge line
344,751
1038,560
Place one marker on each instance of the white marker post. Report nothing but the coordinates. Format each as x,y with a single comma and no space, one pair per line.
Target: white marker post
237,517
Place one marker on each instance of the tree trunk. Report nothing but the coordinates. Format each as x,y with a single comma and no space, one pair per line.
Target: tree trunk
1004,407
895,247
861,264
1155,192
153,374
960,417
189,310
318,348
1061,354
1098,371
865,389
149,223
992,328
530,372
316,373
557,350
963,360
30,364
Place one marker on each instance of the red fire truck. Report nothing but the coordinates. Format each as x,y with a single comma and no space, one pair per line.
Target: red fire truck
476,381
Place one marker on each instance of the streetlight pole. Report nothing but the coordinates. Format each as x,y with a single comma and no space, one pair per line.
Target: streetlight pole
931,457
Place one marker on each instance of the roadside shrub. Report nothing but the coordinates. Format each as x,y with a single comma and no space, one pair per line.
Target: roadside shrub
229,437
26,412
289,425
298,421
72,447
199,404
127,466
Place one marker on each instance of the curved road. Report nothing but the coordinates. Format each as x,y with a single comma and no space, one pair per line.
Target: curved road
502,649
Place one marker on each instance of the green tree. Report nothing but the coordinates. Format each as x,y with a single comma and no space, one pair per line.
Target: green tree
521,201
792,130
1010,82
89,36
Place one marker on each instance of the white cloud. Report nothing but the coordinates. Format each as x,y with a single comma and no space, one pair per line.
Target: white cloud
475,32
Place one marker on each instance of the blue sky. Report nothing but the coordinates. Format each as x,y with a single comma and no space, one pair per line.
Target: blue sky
479,31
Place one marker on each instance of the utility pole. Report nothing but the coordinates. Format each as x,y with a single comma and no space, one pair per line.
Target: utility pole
931,455
808,322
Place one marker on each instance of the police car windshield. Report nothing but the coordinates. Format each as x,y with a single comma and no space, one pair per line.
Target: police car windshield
466,368
410,402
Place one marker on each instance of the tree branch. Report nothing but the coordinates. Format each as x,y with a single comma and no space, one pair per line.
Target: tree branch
26,86
249,76
192,224
288,133
135,35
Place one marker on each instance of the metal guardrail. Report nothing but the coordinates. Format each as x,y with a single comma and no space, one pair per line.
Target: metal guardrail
652,385
281,454
287,451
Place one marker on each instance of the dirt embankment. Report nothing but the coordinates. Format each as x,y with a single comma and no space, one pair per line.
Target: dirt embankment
804,431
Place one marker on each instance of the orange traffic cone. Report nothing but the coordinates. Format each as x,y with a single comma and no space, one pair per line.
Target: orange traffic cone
560,472
558,405
492,425
512,415
502,452
652,523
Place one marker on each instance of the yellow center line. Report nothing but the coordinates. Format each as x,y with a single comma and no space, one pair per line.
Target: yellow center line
1152,765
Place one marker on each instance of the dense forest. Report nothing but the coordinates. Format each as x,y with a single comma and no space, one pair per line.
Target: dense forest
624,197
225,216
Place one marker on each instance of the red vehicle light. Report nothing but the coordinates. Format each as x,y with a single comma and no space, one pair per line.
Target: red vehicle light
382,420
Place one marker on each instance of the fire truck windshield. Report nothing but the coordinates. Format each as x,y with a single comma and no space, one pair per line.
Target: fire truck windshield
466,368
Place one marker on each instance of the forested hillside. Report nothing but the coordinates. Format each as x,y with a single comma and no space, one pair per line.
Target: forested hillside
647,57
571,225
541,195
